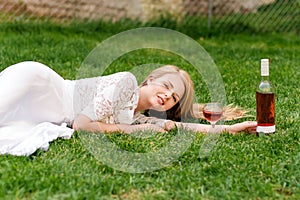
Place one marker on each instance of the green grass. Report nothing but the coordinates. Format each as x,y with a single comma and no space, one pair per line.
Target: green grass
239,167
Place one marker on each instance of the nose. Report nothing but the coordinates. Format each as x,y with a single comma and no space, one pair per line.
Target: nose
169,93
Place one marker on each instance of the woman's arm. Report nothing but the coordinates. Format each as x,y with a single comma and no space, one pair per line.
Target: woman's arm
82,122
247,126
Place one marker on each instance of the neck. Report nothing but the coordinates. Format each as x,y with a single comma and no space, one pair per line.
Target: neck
142,103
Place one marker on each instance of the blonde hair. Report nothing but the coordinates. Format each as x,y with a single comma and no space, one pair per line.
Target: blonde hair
184,108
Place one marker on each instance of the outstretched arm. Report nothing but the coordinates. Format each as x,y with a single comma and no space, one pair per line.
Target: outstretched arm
247,126
82,122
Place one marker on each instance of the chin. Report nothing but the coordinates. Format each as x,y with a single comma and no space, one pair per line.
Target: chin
157,108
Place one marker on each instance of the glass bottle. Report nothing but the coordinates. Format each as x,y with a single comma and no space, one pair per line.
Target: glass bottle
265,102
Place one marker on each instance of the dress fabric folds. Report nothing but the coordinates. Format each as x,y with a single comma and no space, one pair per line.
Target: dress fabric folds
35,108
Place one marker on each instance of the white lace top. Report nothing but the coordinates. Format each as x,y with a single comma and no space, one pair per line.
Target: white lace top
110,99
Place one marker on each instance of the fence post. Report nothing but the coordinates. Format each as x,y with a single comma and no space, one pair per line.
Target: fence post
210,13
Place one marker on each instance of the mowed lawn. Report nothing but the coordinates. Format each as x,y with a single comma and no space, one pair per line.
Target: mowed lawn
238,167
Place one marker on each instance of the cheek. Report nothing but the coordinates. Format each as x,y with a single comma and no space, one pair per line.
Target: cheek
153,89
169,105
159,91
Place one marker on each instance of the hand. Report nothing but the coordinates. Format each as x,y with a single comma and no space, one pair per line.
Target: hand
247,127
169,125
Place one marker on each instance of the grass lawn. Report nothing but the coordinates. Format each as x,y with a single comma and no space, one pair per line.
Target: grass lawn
239,167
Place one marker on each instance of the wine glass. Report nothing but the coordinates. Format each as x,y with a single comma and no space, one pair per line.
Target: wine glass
213,112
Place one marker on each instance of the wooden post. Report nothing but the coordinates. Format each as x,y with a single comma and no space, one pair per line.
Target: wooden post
210,12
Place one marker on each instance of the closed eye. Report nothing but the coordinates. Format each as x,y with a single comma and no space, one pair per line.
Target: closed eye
167,86
174,98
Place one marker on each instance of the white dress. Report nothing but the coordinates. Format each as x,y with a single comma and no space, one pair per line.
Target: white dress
37,105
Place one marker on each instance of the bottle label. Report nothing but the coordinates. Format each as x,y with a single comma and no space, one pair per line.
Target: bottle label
264,67
265,129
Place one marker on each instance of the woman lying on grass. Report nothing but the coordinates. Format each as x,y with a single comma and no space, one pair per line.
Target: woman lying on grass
37,105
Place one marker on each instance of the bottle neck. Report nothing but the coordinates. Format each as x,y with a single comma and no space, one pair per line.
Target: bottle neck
265,77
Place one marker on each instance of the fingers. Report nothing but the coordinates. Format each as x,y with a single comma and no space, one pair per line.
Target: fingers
251,123
169,125
161,130
250,127
251,130
246,127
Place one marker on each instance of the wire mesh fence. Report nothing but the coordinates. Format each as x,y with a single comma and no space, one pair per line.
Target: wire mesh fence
209,15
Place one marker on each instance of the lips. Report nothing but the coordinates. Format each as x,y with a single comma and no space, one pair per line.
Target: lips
160,100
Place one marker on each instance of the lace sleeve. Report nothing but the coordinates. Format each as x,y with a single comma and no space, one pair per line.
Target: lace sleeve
116,98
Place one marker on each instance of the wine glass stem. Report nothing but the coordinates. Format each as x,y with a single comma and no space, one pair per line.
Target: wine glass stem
213,125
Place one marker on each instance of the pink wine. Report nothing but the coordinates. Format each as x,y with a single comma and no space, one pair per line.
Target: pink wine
265,109
212,116
265,102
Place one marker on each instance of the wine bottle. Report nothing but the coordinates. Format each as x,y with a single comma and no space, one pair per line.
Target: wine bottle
265,102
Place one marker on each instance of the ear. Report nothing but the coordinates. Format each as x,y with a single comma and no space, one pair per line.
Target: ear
149,80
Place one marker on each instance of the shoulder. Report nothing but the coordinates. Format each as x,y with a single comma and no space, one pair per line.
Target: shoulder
122,75
125,79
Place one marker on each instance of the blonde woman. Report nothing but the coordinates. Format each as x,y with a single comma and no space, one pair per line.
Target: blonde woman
37,105
170,91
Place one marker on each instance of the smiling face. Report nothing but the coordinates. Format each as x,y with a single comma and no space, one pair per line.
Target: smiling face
164,92
167,89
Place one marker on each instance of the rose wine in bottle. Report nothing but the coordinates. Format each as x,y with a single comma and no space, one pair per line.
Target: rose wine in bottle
265,102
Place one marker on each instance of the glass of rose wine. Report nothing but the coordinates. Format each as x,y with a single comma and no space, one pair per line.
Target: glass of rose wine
213,112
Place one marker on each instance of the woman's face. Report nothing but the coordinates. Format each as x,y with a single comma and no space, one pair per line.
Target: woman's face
164,92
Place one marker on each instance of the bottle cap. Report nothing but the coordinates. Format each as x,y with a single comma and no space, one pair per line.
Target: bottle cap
264,67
